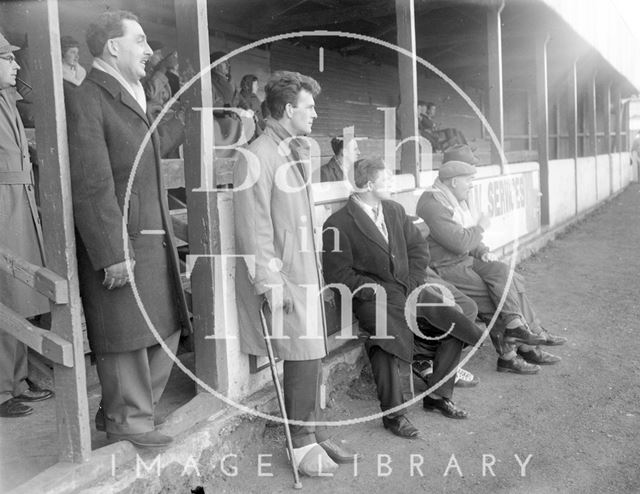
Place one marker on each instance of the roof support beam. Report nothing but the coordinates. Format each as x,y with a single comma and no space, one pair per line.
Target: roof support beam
496,97
542,104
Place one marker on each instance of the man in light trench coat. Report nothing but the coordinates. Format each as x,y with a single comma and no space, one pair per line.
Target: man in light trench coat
275,232
21,234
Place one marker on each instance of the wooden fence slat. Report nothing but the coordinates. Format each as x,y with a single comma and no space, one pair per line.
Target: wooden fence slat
46,343
43,280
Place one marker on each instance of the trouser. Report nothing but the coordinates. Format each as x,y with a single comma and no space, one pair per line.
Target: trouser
13,367
132,383
485,283
424,349
301,388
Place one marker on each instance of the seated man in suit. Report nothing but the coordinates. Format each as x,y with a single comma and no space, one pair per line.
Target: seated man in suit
374,249
459,256
440,139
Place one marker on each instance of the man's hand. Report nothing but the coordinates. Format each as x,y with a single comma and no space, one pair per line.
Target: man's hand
116,275
286,302
484,221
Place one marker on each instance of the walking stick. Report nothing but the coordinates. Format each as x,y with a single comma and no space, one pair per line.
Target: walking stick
274,374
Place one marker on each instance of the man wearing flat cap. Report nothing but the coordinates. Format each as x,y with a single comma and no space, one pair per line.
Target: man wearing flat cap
21,235
460,257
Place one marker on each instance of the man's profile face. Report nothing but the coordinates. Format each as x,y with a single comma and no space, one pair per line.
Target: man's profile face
304,113
351,151
383,185
461,187
422,109
133,51
431,111
71,56
8,70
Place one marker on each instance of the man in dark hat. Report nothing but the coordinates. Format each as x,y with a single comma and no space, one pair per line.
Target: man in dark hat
337,168
21,235
459,256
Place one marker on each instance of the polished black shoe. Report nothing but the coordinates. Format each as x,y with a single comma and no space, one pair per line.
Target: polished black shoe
551,339
339,451
444,406
539,357
400,426
101,424
521,334
14,408
517,365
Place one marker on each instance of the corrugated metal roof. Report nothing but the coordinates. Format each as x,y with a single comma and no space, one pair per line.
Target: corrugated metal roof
600,23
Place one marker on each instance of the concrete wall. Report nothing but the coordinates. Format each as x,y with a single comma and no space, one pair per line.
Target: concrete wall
562,190
587,183
603,167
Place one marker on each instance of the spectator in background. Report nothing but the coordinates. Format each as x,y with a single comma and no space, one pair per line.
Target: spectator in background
341,163
224,94
72,71
440,139
248,100
22,236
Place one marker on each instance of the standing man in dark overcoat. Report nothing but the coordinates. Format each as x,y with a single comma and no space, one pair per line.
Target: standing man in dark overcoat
107,123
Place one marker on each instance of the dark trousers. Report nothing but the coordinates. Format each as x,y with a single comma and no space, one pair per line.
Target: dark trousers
301,388
132,383
13,367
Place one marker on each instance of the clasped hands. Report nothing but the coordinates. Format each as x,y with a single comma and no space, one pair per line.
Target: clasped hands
116,275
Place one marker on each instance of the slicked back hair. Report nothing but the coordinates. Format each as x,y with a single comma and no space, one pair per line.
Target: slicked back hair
283,87
107,26
366,170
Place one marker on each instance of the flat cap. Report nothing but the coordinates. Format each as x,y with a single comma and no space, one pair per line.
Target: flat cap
452,169
5,46
460,153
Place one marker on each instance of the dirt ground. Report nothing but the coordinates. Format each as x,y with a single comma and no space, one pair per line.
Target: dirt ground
579,420
577,423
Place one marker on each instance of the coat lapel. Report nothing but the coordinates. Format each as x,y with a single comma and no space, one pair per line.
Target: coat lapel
109,83
366,226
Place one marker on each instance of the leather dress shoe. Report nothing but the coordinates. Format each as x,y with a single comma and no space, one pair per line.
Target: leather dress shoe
101,424
521,334
14,408
338,451
444,406
540,357
551,339
34,393
151,439
517,365
400,426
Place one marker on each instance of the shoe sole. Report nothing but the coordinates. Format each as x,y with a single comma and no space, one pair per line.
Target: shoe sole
533,340
17,416
552,343
436,409
417,434
139,444
466,384
515,371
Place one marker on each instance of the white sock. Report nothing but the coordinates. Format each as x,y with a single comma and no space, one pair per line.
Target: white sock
300,453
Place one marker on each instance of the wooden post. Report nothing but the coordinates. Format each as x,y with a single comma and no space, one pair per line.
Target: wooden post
204,239
556,115
573,122
72,409
542,107
408,84
496,97
529,122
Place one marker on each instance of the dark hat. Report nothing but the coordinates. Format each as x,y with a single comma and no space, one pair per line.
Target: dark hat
457,161
5,46
67,42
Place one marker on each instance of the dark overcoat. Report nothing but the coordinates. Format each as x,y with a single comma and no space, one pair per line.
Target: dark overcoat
106,130
361,255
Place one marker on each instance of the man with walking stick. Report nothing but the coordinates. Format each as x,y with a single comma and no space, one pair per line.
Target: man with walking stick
274,232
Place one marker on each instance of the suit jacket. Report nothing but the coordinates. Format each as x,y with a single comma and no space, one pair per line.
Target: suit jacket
356,253
331,171
19,220
107,129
